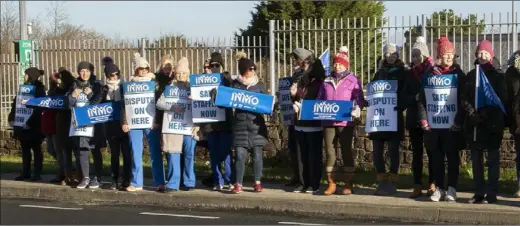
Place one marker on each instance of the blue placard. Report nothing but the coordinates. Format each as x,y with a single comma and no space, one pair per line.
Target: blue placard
173,91
382,86
201,80
335,110
97,113
244,100
440,81
54,102
138,87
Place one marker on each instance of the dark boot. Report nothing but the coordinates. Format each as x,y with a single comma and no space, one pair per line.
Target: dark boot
392,182
347,190
381,179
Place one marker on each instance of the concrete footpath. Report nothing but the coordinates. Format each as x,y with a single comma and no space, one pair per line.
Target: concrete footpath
275,198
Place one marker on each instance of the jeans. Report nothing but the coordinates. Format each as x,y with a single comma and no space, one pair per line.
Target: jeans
344,136
34,144
219,145
174,170
136,145
310,158
493,164
188,153
82,161
517,148
417,140
241,163
293,152
120,146
378,155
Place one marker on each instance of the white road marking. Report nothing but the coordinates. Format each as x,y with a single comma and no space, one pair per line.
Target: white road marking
179,215
50,207
297,223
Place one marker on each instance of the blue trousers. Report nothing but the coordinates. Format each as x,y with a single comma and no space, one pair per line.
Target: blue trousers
136,144
174,170
219,145
188,153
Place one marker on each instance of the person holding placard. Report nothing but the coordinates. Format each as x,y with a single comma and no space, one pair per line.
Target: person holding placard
421,64
484,126
512,78
442,118
249,128
117,139
391,68
84,91
138,120
220,137
342,85
177,135
308,132
26,124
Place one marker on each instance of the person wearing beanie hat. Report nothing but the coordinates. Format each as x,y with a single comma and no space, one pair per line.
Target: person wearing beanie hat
107,60
85,91
249,128
207,67
118,140
421,64
219,136
142,74
391,68
488,122
29,135
444,143
308,133
512,78
342,85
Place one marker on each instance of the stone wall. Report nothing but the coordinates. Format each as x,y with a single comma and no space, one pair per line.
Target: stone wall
276,151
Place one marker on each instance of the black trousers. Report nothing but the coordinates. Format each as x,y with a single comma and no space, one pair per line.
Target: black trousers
30,143
120,146
417,141
310,158
293,152
378,156
442,144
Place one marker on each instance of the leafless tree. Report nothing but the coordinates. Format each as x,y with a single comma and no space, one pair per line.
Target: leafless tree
9,25
57,16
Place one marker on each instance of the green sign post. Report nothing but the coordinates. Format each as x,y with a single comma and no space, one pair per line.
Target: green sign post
25,58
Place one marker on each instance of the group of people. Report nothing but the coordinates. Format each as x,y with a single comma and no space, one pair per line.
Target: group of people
245,131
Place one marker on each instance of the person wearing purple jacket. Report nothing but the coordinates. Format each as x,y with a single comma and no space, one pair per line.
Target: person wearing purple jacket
342,85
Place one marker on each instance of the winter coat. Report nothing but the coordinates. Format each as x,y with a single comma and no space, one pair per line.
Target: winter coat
348,88
63,118
412,86
224,126
162,81
94,97
397,71
170,143
490,130
459,142
308,87
512,80
249,129
112,129
34,122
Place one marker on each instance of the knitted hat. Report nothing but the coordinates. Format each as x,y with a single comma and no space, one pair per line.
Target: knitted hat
390,48
485,45
512,59
111,68
107,60
85,65
243,63
167,59
34,73
342,57
183,66
301,53
61,69
420,44
66,78
216,57
444,46
140,62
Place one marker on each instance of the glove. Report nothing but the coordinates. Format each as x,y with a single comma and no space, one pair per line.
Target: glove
296,106
356,112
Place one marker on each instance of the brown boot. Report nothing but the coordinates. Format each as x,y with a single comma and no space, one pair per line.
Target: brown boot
332,185
347,190
417,192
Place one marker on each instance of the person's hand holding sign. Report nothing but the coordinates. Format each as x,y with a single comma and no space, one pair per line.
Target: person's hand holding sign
125,128
76,93
87,91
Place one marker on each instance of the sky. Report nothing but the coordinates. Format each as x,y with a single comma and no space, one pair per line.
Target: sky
135,19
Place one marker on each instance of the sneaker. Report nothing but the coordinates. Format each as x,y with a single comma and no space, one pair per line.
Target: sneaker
161,188
231,187
316,192
94,183
132,188
113,185
237,188
451,194
300,189
83,183
258,187
491,199
22,178
36,178
438,195
218,188
477,199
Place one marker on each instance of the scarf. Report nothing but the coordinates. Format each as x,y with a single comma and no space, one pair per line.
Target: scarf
437,70
148,77
338,76
419,70
113,90
248,82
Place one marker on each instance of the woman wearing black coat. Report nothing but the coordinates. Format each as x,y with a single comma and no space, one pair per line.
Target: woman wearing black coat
512,78
30,135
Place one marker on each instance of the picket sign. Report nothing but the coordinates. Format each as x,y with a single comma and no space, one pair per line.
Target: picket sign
382,101
76,130
22,113
54,102
203,111
139,100
335,110
441,100
97,113
244,100
174,122
284,98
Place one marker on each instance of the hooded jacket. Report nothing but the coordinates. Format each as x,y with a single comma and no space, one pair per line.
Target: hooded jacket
490,130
